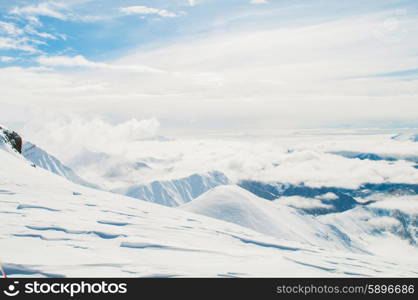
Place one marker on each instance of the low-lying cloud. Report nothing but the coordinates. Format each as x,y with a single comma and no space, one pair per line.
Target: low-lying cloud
67,137
286,159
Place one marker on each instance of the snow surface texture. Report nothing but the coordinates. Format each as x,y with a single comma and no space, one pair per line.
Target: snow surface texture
52,227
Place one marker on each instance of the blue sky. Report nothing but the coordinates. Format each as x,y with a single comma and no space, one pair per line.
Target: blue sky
280,58
101,30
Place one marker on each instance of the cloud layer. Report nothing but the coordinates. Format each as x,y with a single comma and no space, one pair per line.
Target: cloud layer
68,137
144,10
286,158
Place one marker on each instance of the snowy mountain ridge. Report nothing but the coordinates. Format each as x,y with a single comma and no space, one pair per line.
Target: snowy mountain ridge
44,160
177,191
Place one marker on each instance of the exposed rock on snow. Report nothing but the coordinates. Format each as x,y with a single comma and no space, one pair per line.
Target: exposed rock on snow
11,137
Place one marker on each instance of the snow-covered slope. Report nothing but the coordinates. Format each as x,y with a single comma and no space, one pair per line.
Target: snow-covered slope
43,159
386,227
236,205
52,227
175,192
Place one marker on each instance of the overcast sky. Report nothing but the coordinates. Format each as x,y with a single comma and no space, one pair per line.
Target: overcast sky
196,66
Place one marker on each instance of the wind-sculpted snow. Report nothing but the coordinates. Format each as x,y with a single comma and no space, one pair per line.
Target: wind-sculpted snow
178,191
64,229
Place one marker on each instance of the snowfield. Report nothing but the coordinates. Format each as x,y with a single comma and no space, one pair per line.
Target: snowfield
53,227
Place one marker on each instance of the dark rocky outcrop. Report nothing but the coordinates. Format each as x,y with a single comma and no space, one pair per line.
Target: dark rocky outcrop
14,139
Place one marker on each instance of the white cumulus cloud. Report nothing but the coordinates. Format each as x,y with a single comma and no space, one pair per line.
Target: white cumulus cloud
7,58
144,10
22,44
10,29
384,222
52,10
69,136
303,203
259,1
81,61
